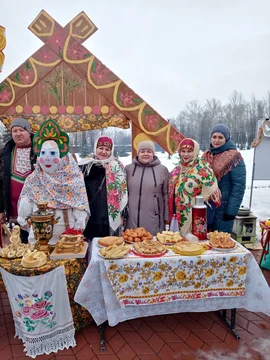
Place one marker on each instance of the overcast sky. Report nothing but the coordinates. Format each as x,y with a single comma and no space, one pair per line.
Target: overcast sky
169,51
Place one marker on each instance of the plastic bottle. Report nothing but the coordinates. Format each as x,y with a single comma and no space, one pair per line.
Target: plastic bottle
199,218
174,224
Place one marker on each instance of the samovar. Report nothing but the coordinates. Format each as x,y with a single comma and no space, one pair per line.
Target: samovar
42,221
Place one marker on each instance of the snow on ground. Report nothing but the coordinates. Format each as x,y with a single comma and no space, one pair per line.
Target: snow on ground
261,189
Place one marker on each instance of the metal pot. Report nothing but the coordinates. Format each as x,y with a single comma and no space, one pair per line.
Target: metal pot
243,211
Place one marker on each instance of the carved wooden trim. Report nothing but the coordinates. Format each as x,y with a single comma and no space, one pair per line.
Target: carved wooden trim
255,142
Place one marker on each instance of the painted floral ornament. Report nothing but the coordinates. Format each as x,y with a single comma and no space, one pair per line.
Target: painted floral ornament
50,130
2,46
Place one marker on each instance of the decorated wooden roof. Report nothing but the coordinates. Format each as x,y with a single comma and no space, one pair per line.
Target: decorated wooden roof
2,46
66,82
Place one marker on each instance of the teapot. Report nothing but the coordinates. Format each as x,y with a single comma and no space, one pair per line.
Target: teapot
42,221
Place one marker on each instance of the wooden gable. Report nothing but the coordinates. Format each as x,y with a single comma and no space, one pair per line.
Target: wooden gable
66,82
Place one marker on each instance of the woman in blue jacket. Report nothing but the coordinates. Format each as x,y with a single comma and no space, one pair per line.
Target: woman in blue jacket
230,170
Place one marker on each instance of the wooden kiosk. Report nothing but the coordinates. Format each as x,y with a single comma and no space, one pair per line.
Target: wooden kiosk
64,81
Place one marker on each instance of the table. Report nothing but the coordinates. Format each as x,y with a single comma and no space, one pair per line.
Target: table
74,270
96,294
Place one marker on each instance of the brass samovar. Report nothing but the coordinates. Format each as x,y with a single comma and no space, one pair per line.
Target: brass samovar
42,221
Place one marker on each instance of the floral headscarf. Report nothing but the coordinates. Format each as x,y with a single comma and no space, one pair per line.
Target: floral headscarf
116,184
186,182
62,189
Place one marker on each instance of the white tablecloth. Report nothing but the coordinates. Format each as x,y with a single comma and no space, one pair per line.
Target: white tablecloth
96,294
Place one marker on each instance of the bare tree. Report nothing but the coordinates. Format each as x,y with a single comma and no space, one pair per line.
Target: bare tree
266,102
212,114
4,135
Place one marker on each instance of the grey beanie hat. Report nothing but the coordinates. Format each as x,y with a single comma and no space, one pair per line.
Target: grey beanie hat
23,123
223,129
146,144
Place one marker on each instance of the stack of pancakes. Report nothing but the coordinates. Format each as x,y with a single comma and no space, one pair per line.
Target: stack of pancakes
188,249
170,237
149,247
221,240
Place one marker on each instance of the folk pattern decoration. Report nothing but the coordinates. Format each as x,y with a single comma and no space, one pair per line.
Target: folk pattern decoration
64,79
34,309
2,46
168,279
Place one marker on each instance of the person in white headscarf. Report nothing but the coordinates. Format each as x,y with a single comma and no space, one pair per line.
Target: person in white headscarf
105,181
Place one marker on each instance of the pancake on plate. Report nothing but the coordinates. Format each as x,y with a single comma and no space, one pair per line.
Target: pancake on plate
221,240
114,251
188,249
149,247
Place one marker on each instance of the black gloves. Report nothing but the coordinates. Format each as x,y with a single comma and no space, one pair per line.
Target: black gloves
227,217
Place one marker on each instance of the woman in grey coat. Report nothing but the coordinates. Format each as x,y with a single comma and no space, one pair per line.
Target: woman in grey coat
147,182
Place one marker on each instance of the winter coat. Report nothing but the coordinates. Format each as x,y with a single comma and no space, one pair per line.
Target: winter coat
98,223
148,195
231,182
107,196
5,174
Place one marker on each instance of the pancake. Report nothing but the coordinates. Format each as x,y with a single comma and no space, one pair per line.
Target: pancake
110,240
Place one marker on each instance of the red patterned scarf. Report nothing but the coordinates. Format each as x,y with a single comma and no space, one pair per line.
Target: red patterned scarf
222,163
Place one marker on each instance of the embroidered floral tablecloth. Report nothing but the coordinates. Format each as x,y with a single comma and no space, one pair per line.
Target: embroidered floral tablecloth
74,270
96,294
142,281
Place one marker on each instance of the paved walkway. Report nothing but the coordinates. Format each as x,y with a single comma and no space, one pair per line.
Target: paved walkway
201,336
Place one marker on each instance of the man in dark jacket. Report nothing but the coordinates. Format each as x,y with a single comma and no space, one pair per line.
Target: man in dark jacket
17,161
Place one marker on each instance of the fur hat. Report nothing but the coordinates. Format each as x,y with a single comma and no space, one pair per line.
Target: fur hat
146,144
23,123
223,129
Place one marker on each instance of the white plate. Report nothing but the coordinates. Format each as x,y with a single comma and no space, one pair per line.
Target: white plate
224,249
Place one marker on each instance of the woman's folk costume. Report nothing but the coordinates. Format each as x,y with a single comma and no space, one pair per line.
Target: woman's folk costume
187,180
56,180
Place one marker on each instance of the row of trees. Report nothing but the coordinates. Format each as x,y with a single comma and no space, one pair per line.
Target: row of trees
239,115
194,121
